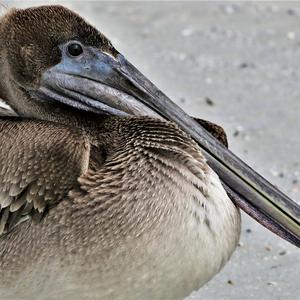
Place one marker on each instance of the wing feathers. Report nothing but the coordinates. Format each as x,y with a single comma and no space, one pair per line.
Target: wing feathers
39,163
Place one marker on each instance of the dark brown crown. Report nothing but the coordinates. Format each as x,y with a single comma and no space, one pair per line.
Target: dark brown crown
30,39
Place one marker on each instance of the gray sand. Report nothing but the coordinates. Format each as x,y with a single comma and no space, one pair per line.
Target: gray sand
236,64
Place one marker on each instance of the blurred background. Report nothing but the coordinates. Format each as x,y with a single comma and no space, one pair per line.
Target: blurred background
236,64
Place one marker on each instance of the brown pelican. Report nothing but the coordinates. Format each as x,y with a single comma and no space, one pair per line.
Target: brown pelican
102,197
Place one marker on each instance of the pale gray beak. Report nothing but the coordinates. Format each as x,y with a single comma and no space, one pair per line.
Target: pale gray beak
98,82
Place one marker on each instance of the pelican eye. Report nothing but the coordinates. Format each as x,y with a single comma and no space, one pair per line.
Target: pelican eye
74,49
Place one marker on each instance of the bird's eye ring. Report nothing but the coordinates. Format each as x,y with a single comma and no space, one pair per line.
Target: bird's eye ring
74,49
